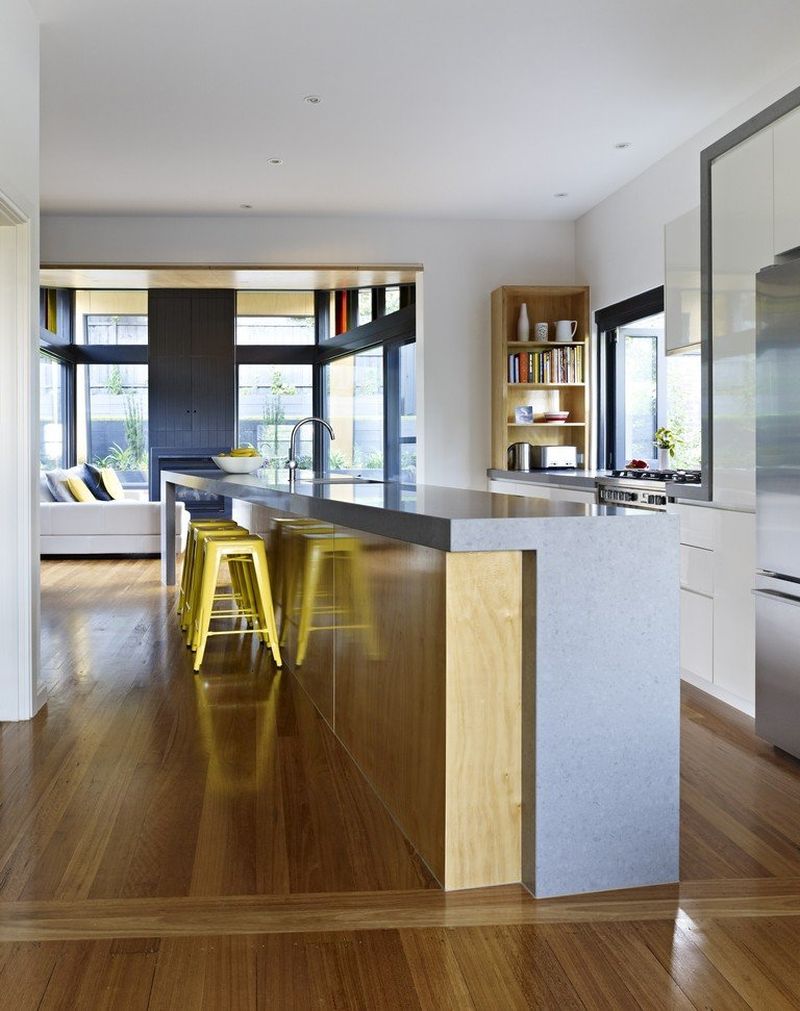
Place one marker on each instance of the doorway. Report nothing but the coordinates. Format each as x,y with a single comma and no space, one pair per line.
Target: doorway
19,410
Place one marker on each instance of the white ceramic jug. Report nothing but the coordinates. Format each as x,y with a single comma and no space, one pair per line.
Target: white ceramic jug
566,329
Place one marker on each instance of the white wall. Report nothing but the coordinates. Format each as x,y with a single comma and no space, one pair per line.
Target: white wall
19,258
462,260
619,244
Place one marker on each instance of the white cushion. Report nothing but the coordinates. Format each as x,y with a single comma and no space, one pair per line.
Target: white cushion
106,522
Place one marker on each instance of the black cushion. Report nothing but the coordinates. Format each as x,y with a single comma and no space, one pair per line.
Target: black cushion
93,481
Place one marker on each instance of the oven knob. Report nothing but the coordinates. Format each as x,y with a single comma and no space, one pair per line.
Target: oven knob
631,496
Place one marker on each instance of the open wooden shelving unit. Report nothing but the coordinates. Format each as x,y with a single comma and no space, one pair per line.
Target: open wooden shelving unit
546,303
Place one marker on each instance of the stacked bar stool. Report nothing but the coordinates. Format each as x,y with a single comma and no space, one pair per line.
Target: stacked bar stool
188,557
246,557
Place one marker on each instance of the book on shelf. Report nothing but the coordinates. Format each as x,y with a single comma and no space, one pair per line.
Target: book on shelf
555,365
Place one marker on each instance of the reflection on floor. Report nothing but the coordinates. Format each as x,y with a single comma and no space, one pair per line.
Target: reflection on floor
142,779
158,832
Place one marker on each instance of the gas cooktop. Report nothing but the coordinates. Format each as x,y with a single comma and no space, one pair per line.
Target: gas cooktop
646,474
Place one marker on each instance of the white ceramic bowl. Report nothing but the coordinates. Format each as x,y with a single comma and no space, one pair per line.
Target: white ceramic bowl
239,464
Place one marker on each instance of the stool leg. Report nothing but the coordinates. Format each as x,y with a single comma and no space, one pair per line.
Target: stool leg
266,608
308,595
245,577
209,578
186,570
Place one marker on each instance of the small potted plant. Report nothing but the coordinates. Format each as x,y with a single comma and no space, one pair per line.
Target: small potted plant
666,441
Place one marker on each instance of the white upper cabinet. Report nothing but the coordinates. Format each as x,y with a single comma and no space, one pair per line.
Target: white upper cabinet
682,282
742,223
787,182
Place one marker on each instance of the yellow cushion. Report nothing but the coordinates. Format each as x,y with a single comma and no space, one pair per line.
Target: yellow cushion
79,489
111,483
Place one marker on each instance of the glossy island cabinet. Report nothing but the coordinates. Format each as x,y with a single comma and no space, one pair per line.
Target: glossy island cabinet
503,674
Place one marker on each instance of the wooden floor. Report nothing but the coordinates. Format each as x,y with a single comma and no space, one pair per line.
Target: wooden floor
170,841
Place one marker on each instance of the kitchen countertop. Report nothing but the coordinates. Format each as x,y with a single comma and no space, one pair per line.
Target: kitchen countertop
587,479
554,476
449,519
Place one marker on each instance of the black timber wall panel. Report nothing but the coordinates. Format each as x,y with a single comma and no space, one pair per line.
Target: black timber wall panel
192,368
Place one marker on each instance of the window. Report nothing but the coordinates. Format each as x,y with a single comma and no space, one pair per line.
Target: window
643,388
683,407
354,407
271,399
275,317
364,306
52,401
122,329
112,400
392,299
112,318
408,413
637,388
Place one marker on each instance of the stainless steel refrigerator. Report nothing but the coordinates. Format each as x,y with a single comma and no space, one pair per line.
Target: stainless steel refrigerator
777,590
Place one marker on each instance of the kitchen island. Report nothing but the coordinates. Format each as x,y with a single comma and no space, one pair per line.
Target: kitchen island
504,670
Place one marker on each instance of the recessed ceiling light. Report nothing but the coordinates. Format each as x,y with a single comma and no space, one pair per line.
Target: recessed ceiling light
312,99
246,207
622,145
559,195
275,161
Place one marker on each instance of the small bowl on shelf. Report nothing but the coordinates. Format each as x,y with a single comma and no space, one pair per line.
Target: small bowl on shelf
239,464
556,417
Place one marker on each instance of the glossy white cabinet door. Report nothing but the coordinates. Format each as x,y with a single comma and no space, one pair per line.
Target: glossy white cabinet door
696,523
573,495
697,570
682,282
697,624
520,488
742,244
786,134
734,606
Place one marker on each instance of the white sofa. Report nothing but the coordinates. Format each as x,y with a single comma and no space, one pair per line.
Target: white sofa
131,527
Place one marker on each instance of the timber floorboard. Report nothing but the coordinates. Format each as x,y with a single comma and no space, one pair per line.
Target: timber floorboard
171,841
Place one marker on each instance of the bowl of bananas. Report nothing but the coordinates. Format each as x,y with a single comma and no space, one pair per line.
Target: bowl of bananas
241,460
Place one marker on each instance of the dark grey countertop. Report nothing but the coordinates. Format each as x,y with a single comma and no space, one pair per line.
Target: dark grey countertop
449,519
553,476
587,479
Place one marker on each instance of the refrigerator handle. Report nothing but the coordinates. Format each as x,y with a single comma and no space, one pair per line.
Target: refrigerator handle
776,594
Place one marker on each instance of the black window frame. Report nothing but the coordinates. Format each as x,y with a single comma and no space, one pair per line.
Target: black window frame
609,407
67,400
387,331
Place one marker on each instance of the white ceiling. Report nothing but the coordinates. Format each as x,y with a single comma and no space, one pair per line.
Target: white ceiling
464,108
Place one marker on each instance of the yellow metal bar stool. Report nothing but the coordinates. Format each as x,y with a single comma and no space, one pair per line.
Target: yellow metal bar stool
248,556
188,556
238,590
321,547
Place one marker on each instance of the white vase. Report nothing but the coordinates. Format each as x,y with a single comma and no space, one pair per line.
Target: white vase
664,460
523,325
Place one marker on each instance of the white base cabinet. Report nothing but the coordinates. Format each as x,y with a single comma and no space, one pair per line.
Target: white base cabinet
697,635
734,604
718,557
